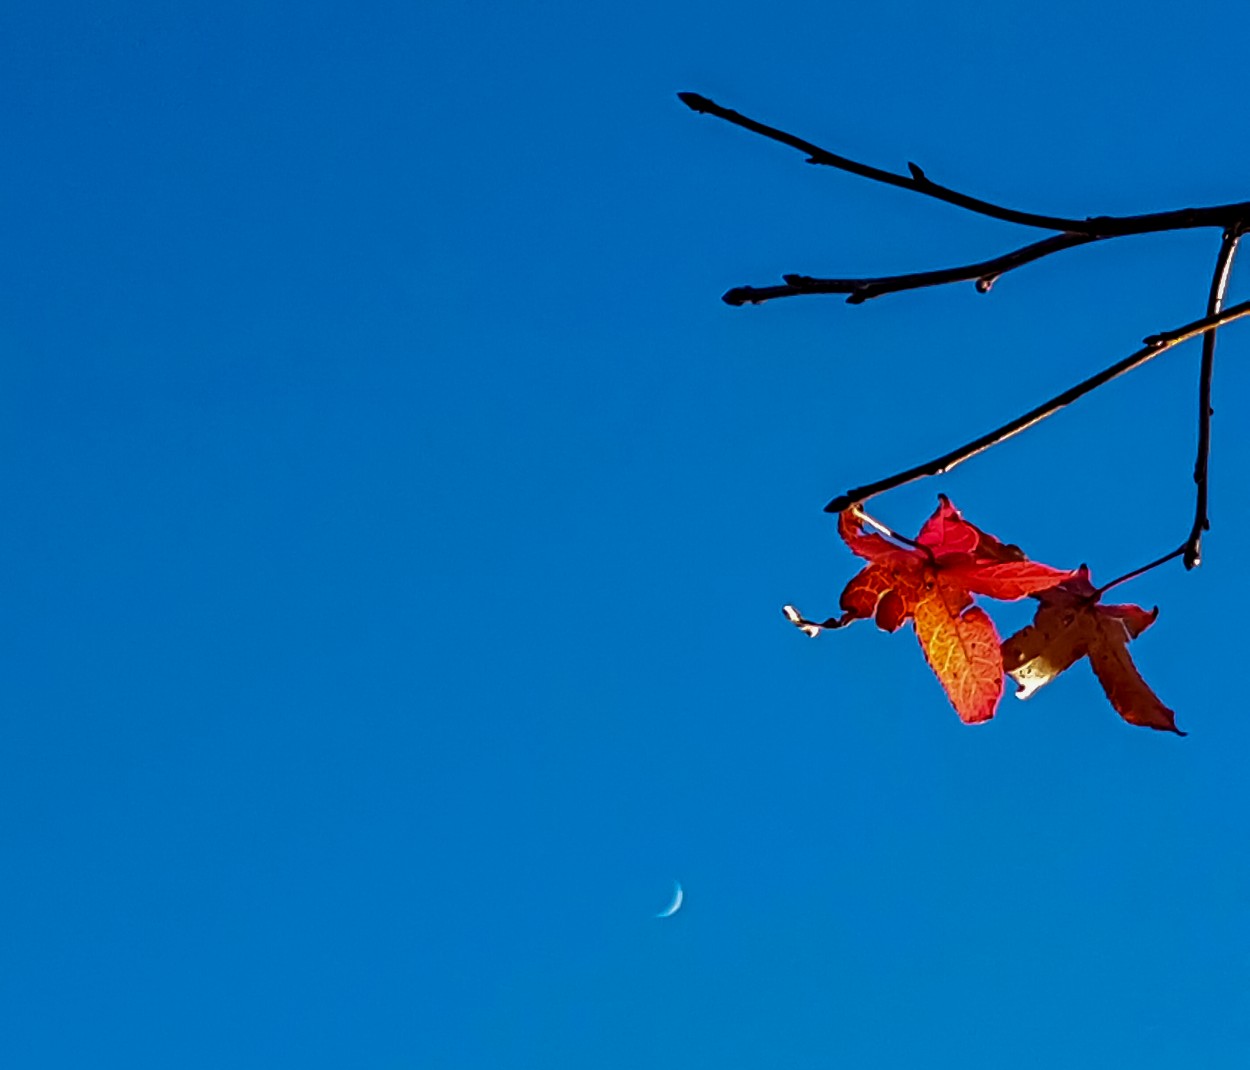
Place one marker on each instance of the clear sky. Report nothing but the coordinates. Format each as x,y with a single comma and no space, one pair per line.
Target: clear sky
397,526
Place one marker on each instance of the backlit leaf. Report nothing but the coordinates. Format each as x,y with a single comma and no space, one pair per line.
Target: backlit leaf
932,583
1070,624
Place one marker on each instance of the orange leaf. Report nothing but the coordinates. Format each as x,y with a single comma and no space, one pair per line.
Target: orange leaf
962,650
931,582
1071,624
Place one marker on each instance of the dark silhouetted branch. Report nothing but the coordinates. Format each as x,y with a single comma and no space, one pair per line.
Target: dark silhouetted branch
1154,345
983,273
1219,284
1234,219
1072,232
916,181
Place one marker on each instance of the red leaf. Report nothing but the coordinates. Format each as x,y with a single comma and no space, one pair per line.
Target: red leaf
946,532
932,583
1070,624
1008,581
878,584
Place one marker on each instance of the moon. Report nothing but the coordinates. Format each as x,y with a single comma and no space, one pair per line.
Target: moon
675,905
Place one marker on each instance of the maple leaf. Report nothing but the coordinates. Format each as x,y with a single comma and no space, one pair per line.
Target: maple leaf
1071,624
932,583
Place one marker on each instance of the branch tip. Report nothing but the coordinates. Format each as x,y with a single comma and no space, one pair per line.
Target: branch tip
838,504
696,102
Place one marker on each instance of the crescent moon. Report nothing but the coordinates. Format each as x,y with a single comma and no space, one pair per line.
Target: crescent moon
675,905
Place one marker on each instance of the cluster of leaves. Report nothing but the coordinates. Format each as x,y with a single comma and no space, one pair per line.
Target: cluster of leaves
931,581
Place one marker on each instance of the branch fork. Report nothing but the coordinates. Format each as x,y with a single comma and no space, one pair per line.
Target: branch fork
1233,219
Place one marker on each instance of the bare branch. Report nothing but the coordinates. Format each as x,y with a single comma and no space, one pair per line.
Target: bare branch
1219,285
917,182
1153,346
984,274
1220,215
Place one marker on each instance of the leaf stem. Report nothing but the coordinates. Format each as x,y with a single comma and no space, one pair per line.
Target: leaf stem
1215,299
812,628
1154,345
1139,571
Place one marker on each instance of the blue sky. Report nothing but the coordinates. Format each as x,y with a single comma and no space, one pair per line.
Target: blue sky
398,525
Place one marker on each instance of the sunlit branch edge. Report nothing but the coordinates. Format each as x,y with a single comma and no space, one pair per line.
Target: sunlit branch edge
1153,346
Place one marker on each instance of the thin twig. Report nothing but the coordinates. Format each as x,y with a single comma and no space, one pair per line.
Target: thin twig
1220,215
1215,299
1138,572
1154,345
983,273
917,182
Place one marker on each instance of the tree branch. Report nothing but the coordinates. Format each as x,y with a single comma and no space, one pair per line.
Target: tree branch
917,182
1220,215
1072,231
1215,299
984,273
1153,346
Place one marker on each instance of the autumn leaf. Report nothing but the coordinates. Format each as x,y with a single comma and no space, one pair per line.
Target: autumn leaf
1071,624
931,583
